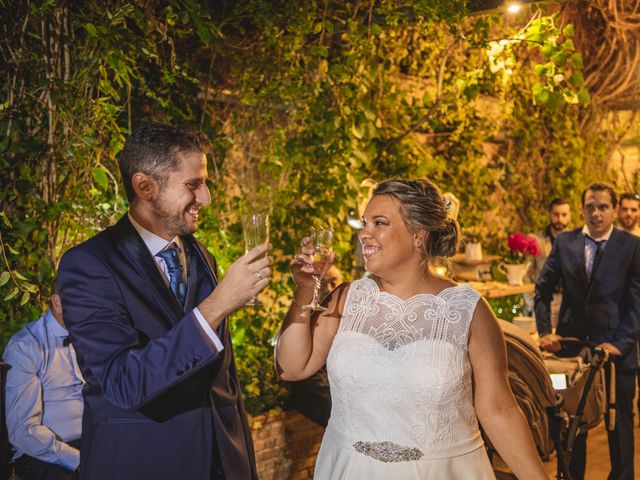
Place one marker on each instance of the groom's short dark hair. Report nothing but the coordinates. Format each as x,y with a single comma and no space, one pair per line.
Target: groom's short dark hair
154,149
601,187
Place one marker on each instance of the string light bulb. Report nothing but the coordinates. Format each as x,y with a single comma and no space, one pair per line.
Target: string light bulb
514,7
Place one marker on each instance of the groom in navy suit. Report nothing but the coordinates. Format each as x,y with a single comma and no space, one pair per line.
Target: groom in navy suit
599,268
147,316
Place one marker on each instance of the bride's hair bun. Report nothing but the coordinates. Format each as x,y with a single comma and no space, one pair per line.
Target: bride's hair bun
423,209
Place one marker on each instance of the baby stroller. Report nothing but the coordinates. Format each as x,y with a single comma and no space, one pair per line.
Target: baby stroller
577,402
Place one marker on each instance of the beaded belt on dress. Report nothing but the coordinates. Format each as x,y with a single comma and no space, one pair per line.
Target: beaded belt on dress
392,452
388,451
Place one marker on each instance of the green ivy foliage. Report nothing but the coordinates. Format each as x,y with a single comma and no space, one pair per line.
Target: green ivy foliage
76,75
304,101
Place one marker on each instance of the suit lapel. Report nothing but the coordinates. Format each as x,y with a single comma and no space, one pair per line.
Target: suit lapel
612,246
204,259
211,269
135,249
577,256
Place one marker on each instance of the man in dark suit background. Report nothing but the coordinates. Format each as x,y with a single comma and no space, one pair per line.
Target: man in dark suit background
148,319
599,269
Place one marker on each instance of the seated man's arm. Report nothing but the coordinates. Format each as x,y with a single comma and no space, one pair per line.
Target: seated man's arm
24,409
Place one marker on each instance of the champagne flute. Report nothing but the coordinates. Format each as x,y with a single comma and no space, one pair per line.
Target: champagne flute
322,240
255,229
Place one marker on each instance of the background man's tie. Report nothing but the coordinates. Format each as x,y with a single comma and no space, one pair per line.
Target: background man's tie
174,270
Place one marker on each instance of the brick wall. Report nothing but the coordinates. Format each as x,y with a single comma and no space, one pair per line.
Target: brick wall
286,445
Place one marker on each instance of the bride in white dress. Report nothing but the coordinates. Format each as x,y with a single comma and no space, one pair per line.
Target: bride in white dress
414,360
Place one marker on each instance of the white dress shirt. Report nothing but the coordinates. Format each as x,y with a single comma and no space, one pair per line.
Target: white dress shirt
156,244
44,393
590,247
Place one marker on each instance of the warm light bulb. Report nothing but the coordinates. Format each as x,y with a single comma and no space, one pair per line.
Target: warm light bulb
514,7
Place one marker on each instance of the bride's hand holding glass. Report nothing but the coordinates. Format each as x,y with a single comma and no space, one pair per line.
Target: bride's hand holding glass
302,266
310,265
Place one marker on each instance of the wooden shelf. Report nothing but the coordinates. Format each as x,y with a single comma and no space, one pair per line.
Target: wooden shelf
472,270
500,289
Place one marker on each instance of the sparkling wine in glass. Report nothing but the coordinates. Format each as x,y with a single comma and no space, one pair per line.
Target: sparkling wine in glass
322,240
255,229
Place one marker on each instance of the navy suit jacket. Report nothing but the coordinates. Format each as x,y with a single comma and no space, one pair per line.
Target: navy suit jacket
159,397
606,309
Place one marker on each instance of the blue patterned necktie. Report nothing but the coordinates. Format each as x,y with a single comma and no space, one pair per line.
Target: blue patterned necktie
174,270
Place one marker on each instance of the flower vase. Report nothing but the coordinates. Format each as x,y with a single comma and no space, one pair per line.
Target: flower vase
473,252
515,272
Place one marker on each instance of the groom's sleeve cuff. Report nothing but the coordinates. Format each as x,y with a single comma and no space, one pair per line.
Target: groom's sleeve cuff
206,328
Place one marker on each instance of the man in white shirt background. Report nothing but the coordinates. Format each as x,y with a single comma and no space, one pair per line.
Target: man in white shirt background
44,398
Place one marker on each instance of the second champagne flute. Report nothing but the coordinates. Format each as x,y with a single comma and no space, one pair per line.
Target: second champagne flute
322,240
255,229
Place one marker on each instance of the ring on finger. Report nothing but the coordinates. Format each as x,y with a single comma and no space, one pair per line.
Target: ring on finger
259,274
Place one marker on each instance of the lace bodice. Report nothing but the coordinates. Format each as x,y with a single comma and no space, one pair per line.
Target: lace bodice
400,372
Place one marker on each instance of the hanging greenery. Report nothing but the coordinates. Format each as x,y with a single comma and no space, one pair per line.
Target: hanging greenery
304,101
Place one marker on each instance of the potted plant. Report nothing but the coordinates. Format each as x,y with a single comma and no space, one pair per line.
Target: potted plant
517,261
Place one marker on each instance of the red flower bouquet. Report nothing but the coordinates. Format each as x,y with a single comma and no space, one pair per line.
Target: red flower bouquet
521,245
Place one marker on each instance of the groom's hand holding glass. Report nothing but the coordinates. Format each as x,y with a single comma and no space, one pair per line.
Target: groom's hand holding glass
244,279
